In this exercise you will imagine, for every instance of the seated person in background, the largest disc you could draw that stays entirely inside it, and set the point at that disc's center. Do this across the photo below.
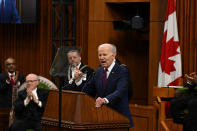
(9, 80)
(74, 60)
(186, 102)
(29, 106)
(109, 83)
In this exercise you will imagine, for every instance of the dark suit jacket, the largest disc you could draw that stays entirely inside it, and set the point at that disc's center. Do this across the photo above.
(6, 90)
(115, 90)
(32, 111)
(65, 82)
(10, 13)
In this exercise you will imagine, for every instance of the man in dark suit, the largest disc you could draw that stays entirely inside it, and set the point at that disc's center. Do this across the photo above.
(74, 60)
(8, 82)
(186, 102)
(109, 82)
(8, 12)
(29, 106)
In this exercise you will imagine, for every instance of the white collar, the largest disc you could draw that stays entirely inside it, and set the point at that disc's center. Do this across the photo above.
(11, 73)
(111, 66)
(77, 66)
(34, 91)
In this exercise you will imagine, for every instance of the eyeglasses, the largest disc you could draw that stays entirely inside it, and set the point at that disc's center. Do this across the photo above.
(31, 81)
(8, 64)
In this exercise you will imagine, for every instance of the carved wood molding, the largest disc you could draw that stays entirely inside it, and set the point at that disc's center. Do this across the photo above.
(73, 125)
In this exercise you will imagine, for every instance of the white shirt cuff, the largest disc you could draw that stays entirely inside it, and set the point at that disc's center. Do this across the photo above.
(106, 100)
(40, 104)
(78, 83)
(7, 82)
(25, 102)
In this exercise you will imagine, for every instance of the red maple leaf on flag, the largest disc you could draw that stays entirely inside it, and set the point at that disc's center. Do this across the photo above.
(169, 49)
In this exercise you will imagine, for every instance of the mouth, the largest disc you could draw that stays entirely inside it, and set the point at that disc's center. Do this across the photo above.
(103, 62)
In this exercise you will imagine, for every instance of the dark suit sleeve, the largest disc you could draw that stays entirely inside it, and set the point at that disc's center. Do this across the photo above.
(44, 97)
(21, 79)
(3, 84)
(89, 71)
(19, 103)
(121, 87)
(89, 87)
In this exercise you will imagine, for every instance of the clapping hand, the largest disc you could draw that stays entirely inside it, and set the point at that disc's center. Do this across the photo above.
(29, 95)
(78, 75)
(192, 78)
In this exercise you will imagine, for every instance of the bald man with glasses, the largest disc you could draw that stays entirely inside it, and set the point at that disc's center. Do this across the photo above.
(29, 106)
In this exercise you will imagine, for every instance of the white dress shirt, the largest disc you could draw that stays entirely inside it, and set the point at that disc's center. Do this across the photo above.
(13, 77)
(110, 68)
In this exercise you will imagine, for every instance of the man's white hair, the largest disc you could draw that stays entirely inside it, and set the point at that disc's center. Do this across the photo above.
(113, 47)
(35, 76)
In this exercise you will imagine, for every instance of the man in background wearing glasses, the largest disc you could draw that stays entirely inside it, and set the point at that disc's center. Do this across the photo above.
(29, 106)
(9, 80)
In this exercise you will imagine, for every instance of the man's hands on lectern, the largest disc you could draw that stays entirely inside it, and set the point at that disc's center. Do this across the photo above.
(100, 101)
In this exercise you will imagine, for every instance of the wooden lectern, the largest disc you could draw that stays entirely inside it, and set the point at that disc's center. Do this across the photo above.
(79, 113)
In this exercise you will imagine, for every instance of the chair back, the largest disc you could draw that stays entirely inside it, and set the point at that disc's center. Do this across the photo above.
(42, 82)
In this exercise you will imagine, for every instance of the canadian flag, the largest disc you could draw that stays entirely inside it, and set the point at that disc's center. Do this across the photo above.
(170, 71)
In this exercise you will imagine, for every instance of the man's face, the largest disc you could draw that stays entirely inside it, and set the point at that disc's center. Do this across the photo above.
(106, 57)
(11, 65)
(31, 82)
(73, 58)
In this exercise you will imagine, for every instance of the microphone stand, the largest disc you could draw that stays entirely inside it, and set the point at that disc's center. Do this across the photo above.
(60, 108)
(59, 75)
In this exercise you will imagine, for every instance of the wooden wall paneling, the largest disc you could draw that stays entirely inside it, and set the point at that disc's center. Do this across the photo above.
(96, 10)
(45, 39)
(144, 117)
(82, 28)
(154, 56)
(96, 35)
(158, 10)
